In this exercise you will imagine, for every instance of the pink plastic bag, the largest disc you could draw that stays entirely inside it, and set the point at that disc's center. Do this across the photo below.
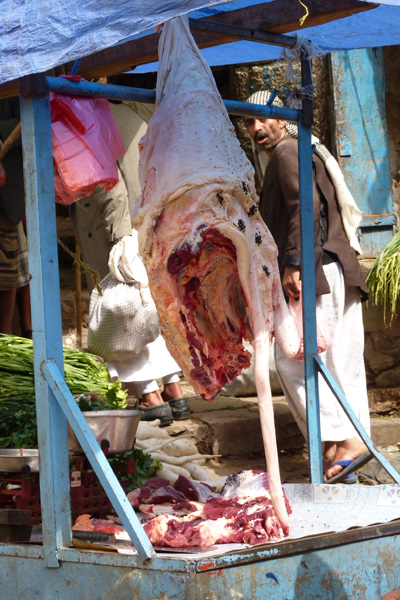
(296, 310)
(86, 145)
(62, 196)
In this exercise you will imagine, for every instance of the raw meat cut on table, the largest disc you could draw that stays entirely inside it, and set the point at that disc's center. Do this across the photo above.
(211, 261)
(157, 490)
(241, 513)
(86, 523)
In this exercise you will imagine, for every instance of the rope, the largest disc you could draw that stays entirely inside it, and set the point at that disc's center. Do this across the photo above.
(93, 273)
(304, 17)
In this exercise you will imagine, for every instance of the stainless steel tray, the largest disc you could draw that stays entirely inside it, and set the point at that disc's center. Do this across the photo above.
(115, 430)
(19, 460)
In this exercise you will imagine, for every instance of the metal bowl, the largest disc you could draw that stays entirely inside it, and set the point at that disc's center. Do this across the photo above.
(115, 430)
(19, 460)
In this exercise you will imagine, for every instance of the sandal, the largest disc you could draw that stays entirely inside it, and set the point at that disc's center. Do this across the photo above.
(347, 474)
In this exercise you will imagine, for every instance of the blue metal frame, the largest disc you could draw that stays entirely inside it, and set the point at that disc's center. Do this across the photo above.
(321, 367)
(46, 316)
(55, 403)
(54, 400)
(361, 564)
(308, 298)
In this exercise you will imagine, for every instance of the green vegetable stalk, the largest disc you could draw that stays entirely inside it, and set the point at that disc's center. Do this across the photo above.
(383, 280)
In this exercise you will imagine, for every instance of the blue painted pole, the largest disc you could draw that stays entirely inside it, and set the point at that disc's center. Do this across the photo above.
(46, 319)
(119, 92)
(308, 283)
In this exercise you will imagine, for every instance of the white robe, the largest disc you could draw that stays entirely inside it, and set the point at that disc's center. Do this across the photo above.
(339, 315)
(153, 362)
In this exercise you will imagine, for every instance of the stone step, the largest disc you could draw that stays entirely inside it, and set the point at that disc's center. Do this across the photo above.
(231, 426)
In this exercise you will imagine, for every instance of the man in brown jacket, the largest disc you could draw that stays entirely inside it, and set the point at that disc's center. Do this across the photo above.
(340, 289)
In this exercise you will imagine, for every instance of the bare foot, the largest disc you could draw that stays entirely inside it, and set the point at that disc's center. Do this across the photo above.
(349, 449)
(151, 399)
(172, 391)
(329, 452)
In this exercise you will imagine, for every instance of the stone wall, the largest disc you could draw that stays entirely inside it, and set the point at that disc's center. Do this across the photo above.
(246, 79)
(382, 360)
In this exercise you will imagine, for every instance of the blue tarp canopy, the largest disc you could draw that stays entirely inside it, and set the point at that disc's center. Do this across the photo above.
(38, 35)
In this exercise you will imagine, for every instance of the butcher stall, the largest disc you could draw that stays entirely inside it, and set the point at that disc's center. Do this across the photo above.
(342, 541)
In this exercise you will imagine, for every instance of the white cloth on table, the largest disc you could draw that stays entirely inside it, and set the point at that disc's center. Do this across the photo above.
(339, 314)
(153, 362)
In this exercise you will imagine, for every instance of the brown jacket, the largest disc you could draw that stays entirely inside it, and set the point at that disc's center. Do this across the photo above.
(279, 207)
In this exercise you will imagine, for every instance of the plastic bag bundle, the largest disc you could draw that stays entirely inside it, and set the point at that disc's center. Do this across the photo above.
(86, 145)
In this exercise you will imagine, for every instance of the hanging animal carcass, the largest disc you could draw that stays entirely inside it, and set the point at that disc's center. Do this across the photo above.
(210, 258)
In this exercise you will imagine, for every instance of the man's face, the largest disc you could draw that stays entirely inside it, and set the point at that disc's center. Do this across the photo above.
(266, 133)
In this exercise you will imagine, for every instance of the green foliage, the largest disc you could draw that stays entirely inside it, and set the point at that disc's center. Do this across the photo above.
(18, 423)
(145, 467)
(384, 279)
(85, 375)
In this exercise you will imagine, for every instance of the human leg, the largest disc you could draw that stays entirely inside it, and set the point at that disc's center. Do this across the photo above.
(151, 403)
(172, 387)
(23, 298)
(150, 393)
(346, 363)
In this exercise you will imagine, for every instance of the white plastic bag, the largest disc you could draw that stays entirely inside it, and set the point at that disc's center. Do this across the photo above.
(124, 319)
